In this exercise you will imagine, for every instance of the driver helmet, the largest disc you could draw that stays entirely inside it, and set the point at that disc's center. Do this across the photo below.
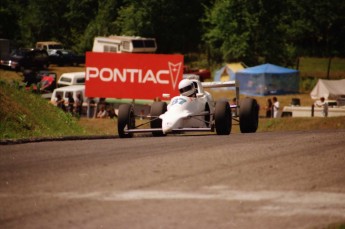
(186, 87)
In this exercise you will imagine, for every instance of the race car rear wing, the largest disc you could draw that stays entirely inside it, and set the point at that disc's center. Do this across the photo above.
(230, 83)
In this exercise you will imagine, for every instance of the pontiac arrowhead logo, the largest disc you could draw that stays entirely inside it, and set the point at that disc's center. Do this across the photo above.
(174, 72)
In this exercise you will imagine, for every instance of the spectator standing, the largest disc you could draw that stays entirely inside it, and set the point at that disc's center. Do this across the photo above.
(101, 103)
(322, 104)
(269, 106)
(276, 107)
(79, 104)
(102, 112)
(30, 77)
(70, 103)
(60, 102)
(91, 107)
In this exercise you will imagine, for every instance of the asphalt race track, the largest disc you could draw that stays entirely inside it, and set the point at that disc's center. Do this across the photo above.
(262, 180)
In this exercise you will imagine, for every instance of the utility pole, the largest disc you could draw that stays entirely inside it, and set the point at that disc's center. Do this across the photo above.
(329, 66)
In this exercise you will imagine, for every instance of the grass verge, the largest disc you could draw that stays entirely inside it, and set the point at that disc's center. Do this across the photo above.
(26, 115)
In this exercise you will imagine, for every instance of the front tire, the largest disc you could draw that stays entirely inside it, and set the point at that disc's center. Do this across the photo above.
(126, 119)
(207, 117)
(249, 115)
(157, 108)
(223, 118)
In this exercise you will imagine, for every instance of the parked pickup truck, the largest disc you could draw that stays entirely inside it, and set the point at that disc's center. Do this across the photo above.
(66, 58)
(24, 58)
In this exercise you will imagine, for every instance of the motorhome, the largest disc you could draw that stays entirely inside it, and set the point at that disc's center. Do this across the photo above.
(124, 44)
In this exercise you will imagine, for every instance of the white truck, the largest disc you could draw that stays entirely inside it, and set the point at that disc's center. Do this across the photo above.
(71, 78)
(124, 44)
(50, 46)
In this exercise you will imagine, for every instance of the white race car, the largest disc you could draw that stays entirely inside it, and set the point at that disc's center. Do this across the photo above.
(197, 113)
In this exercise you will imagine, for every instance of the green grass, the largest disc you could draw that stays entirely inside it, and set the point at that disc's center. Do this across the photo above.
(26, 115)
(295, 124)
(312, 68)
(336, 226)
(317, 67)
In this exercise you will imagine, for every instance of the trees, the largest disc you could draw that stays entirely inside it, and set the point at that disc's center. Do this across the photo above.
(228, 30)
(274, 31)
(247, 30)
(10, 12)
(80, 14)
(232, 30)
(175, 24)
(8, 26)
(323, 32)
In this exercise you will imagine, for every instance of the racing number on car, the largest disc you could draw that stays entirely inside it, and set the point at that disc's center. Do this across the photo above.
(178, 101)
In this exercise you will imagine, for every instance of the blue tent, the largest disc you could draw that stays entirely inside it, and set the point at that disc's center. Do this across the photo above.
(268, 79)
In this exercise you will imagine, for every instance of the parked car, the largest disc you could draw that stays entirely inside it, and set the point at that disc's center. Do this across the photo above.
(71, 78)
(66, 57)
(22, 59)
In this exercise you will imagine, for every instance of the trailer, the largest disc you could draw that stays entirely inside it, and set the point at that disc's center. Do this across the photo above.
(124, 44)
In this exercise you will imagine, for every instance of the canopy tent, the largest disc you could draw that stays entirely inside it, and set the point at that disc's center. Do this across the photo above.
(268, 79)
(227, 72)
(329, 89)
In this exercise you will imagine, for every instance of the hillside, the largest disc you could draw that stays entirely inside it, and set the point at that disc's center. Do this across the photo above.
(26, 115)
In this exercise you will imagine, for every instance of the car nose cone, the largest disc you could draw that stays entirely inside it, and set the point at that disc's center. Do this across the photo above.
(170, 125)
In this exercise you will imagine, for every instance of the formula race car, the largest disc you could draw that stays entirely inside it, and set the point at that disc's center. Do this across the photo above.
(194, 110)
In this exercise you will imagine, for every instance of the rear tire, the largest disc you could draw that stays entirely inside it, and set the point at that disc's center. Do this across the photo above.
(223, 118)
(249, 115)
(157, 108)
(126, 119)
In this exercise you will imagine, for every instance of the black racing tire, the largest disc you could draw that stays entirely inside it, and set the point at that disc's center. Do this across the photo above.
(223, 117)
(249, 115)
(157, 108)
(125, 119)
(207, 117)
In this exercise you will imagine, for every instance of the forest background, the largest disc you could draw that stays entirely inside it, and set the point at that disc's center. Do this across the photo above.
(254, 32)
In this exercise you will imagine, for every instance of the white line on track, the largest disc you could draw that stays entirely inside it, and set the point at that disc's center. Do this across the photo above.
(280, 203)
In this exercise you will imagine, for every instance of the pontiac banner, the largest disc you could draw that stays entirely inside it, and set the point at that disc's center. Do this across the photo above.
(135, 76)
